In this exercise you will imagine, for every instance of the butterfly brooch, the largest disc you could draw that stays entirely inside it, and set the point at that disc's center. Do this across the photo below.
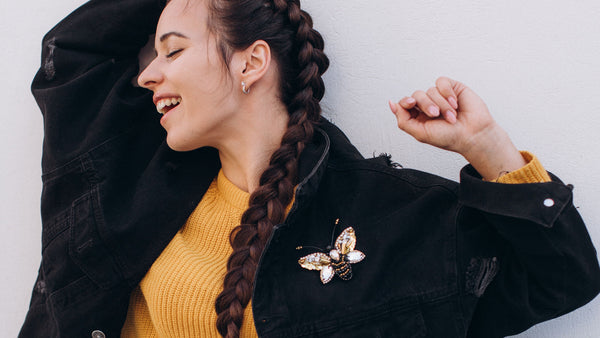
(338, 260)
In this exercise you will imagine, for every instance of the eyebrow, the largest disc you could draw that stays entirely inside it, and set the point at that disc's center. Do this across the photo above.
(168, 35)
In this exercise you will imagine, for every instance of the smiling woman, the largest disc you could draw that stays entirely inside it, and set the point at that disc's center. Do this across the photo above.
(203, 231)
(215, 113)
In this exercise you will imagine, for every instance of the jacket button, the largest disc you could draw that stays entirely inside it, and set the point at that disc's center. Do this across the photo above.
(548, 202)
(98, 334)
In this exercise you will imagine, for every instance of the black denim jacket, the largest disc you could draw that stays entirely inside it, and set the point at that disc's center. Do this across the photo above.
(443, 259)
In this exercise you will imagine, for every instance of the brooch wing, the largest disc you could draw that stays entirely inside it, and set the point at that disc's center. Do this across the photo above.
(346, 241)
(345, 244)
(318, 261)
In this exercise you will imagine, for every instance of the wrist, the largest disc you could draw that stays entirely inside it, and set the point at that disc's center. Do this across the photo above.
(492, 153)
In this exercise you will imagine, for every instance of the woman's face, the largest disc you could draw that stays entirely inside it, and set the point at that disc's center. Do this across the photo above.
(192, 87)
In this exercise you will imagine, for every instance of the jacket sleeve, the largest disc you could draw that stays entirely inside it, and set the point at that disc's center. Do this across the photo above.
(525, 254)
(83, 86)
(84, 90)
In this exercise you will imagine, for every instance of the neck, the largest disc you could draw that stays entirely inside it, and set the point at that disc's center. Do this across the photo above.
(246, 155)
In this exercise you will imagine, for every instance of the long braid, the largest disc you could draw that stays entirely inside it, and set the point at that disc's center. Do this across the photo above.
(267, 206)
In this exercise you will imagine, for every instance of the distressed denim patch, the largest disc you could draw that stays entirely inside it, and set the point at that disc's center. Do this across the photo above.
(48, 65)
(480, 273)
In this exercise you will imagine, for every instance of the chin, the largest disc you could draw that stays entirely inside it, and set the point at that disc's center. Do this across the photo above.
(178, 145)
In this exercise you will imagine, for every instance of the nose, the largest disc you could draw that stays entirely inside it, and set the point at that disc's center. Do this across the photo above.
(151, 76)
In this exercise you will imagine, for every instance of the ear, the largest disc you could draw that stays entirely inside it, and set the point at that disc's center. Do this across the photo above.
(254, 62)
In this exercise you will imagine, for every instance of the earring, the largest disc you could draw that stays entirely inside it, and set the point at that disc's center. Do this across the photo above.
(244, 89)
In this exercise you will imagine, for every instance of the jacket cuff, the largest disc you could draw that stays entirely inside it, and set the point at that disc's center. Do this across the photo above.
(532, 172)
(541, 203)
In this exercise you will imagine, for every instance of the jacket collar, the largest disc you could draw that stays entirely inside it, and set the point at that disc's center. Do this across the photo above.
(329, 145)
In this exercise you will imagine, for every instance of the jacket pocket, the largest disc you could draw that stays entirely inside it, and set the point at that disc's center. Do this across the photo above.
(86, 246)
(73, 237)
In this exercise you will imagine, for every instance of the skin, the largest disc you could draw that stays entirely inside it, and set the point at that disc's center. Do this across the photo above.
(464, 125)
(247, 128)
(214, 111)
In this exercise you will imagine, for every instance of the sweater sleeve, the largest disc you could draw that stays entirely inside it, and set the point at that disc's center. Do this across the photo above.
(532, 172)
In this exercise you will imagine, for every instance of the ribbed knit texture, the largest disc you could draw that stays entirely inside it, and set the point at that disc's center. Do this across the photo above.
(533, 172)
(177, 296)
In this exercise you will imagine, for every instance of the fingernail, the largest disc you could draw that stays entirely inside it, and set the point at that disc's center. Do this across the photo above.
(434, 111)
(453, 102)
(410, 100)
(392, 106)
(451, 116)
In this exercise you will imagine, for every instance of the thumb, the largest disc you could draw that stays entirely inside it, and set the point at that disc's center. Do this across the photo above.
(404, 119)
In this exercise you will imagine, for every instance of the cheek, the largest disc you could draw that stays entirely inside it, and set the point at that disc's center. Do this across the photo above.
(206, 79)
(215, 91)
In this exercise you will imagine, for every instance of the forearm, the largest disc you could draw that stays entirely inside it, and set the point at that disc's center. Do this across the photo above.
(493, 154)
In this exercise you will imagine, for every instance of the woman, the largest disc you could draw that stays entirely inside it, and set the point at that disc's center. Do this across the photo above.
(135, 237)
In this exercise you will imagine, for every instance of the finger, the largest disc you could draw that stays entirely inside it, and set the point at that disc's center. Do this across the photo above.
(447, 110)
(426, 104)
(408, 102)
(450, 116)
(396, 107)
(393, 107)
(405, 119)
(446, 88)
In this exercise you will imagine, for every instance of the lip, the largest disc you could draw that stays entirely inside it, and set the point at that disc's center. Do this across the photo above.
(166, 115)
(158, 97)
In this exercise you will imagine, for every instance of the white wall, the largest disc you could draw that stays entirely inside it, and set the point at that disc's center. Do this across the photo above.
(536, 63)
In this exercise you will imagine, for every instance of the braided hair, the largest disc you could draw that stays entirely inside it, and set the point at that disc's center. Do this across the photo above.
(298, 51)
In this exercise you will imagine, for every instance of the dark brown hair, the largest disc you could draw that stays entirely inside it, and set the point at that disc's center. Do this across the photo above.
(298, 51)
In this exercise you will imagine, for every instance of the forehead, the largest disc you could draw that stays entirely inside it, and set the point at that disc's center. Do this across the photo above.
(185, 16)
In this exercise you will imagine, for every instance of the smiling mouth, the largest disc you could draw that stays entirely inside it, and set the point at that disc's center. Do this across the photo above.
(163, 106)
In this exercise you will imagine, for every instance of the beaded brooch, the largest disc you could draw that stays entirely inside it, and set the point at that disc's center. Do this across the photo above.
(338, 261)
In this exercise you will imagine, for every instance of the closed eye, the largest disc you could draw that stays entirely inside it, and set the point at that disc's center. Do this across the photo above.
(173, 53)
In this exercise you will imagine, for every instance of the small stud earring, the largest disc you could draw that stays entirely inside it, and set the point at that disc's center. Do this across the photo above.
(244, 89)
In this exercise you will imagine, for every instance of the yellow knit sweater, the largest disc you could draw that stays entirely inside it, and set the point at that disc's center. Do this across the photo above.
(176, 297)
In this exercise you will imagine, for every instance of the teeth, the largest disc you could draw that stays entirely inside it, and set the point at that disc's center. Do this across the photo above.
(162, 103)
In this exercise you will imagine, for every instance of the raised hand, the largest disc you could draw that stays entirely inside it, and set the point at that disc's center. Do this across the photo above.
(452, 117)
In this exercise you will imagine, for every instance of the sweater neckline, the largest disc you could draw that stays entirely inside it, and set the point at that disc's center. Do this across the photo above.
(231, 193)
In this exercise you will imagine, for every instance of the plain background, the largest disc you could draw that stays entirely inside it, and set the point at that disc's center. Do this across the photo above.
(536, 64)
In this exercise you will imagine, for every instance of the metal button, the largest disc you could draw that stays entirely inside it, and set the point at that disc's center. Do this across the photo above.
(548, 202)
(98, 334)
